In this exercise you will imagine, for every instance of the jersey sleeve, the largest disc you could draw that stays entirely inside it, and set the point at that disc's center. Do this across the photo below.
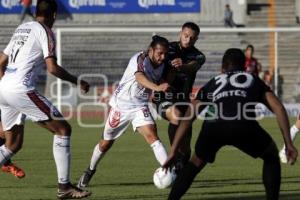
(197, 56)
(140, 62)
(7, 50)
(47, 41)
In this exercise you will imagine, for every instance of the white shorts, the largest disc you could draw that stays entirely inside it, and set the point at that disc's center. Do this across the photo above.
(118, 121)
(16, 106)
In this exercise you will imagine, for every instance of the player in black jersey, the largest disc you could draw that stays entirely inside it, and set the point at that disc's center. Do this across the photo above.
(231, 120)
(183, 62)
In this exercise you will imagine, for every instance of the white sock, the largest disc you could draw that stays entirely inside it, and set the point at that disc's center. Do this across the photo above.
(293, 131)
(5, 154)
(159, 152)
(96, 157)
(62, 157)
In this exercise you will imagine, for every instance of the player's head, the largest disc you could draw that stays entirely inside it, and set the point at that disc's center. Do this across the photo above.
(233, 59)
(158, 50)
(46, 9)
(249, 51)
(189, 34)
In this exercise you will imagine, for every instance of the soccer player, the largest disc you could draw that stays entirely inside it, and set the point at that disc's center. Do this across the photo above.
(129, 104)
(183, 62)
(31, 47)
(293, 132)
(231, 120)
(8, 166)
(251, 63)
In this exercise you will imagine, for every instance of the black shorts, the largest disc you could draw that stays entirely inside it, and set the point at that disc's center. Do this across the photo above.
(249, 137)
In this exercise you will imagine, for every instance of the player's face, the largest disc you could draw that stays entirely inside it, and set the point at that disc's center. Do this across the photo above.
(249, 53)
(157, 55)
(188, 37)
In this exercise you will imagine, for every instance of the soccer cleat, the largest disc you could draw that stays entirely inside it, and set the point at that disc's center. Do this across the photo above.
(72, 193)
(14, 170)
(282, 156)
(85, 178)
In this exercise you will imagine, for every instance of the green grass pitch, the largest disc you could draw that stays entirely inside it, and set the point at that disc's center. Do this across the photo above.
(126, 171)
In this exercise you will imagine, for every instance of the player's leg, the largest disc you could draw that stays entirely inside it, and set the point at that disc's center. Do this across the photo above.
(185, 179)
(8, 166)
(256, 142)
(293, 131)
(173, 114)
(271, 172)
(150, 134)
(40, 110)
(98, 153)
(115, 126)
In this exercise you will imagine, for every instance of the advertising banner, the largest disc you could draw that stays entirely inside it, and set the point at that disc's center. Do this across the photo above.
(112, 6)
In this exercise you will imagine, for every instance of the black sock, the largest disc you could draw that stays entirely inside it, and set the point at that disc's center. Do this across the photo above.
(272, 178)
(171, 131)
(183, 181)
(2, 142)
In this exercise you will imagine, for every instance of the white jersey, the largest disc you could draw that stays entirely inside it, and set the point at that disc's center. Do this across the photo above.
(30, 44)
(130, 94)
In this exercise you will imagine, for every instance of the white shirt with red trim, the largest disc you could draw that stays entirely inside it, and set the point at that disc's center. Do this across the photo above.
(130, 94)
(30, 44)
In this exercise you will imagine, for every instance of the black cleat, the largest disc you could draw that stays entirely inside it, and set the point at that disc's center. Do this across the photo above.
(72, 192)
(85, 178)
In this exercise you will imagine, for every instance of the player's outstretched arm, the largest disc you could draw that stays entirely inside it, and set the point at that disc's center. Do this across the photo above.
(54, 69)
(144, 81)
(282, 118)
(3, 63)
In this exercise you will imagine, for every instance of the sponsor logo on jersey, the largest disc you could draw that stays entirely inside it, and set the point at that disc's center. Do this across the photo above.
(114, 119)
(80, 3)
(147, 3)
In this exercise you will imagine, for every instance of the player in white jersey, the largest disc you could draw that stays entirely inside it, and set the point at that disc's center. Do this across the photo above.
(32, 47)
(129, 104)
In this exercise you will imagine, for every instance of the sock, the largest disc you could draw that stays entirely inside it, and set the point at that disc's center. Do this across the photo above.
(96, 157)
(183, 181)
(62, 157)
(293, 131)
(159, 152)
(171, 132)
(5, 154)
(2, 142)
(272, 178)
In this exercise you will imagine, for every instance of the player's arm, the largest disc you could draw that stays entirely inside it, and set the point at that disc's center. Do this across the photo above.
(54, 69)
(145, 82)
(190, 67)
(282, 118)
(3, 63)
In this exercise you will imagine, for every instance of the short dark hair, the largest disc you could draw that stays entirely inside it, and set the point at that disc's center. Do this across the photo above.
(233, 59)
(192, 26)
(46, 8)
(156, 39)
(250, 46)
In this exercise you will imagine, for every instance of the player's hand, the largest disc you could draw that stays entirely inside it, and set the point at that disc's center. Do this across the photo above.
(176, 63)
(169, 162)
(291, 154)
(163, 87)
(84, 86)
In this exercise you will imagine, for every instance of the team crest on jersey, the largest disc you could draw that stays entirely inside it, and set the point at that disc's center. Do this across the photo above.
(114, 120)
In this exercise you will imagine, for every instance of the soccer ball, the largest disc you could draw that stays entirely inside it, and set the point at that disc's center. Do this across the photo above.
(163, 179)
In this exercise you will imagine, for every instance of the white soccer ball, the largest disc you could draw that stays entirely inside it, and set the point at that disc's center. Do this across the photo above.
(163, 179)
